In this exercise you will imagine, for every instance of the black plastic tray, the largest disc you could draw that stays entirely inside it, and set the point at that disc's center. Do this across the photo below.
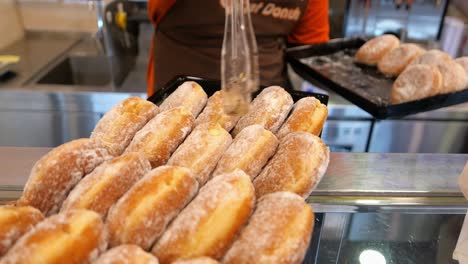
(332, 64)
(211, 86)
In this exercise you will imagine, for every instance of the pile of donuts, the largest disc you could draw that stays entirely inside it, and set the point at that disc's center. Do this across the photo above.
(171, 184)
(419, 73)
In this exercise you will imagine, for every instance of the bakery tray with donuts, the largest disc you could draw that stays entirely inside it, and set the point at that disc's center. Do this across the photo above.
(335, 65)
(177, 182)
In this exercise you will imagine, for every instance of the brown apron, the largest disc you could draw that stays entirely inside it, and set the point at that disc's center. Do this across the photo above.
(189, 38)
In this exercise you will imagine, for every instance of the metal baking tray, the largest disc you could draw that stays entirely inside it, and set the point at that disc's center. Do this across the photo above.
(332, 64)
(211, 86)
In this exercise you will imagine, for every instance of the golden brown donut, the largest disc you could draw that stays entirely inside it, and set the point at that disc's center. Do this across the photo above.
(210, 223)
(77, 236)
(250, 151)
(269, 109)
(279, 231)
(189, 95)
(142, 214)
(201, 150)
(214, 112)
(454, 76)
(373, 50)
(434, 57)
(395, 61)
(200, 260)
(15, 222)
(56, 173)
(161, 136)
(118, 126)
(416, 82)
(308, 115)
(126, 254)
(298, 166)
(463, 61)
(99, 190)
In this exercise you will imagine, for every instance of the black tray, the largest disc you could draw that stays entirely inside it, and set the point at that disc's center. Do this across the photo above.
(331, 64)
(211, 86)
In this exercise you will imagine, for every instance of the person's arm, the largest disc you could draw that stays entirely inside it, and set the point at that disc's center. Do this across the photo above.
(313, 26)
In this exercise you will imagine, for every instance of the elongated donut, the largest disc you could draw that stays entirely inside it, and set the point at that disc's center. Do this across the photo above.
(269, 109)
(279, 231)
(118, 126)
(308, 115)
(210, 223)
(189, 95)
(161, 136)
(201, 150)
(200, 260)
(107, 183)
(56, 173)
(249, 151)
(77, 236)
(395, 61)
(214, 112)
(373, 50)
(15, 222)
(142, 214)
(126, 254)
(298, 166)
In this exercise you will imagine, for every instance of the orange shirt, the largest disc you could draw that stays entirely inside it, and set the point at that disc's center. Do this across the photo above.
(312, 28)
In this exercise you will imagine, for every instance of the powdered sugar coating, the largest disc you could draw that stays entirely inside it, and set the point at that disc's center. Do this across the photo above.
(308, 115)
(373, 50)
(279, 231)
(77, 236)
(201, 150)
(118, 126)
(161, 136)
(56, 173)
(14, 222)
(209, 224)
(200, 260)
(142, 214)
(298, 166)
(189, 95)
(250, 151)
(395, 61)
(99, 190)
(126, 254)
(269, 109)
(214, 112)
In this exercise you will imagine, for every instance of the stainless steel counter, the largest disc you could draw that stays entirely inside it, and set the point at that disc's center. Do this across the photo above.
(353, 182)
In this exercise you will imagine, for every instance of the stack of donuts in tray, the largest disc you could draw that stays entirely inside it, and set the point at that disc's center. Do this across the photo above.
(419, 73)
(171, 184)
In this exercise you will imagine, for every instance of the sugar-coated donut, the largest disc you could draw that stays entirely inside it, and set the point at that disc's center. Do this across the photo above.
(143, 213)
(189, 95)
(454, 76)
(373, 50)
(161, 136)
(214, 112)
(250, 151)
(101, 189)
(126, 254)
(416, 82)
(15, 221)
(308, 115)
(201, 150)
(118, 126)
(56, 173)
(210, 223)
(279, 231)
(200, 260)
(395, 61)
(463, 61)
(434, 57)
(298, 166)
(269, 109)
(77, 236)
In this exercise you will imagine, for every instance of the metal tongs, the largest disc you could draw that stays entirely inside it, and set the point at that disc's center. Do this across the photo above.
(239, 58)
